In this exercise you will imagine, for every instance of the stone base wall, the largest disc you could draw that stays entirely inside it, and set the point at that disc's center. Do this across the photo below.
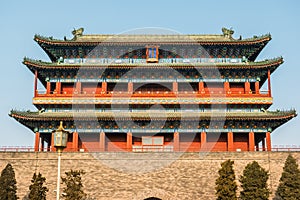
(141, 175)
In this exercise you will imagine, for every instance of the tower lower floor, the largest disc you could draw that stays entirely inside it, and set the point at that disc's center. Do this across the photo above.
(161, 132)
(161, 142)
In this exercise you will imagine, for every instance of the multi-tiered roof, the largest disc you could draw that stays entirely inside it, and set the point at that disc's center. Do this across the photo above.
(209, 86)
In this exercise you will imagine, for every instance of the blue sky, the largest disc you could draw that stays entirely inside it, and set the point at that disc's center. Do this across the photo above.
(20, 20)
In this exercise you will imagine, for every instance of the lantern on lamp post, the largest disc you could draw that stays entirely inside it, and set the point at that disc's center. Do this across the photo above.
(60, 142)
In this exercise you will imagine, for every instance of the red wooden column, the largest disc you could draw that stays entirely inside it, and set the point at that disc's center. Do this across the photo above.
(75, 141)
(226, 87)
(129, 142)
(251, 141)
(130, 87)
(247, 87)
(78, 87)
(230, 141)
(257, 87)
(35, 83)
(102, 141)
(48, 88)
(203, 141)
(58, 87)
(268, 141)
(104, 87)
(175, 87)
(176, 141)
(269, 83)
(201, 87)
(52, 142)
(37, 141)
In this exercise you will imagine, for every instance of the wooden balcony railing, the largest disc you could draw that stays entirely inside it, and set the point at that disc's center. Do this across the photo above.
(194, 94)
(168, 148)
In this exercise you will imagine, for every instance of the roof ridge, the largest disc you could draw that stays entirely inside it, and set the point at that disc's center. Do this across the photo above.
(204, 37)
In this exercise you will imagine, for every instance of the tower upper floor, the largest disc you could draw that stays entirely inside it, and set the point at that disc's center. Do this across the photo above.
(152, 47)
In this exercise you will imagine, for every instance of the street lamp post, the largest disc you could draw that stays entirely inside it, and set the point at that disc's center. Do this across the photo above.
(60, 142)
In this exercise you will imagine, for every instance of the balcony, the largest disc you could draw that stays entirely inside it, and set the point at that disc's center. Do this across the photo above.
(151, 93)
(140, 148)
(161, 60)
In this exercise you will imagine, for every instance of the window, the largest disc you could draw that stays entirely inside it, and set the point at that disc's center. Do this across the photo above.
(152, 140)
(152, 54)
